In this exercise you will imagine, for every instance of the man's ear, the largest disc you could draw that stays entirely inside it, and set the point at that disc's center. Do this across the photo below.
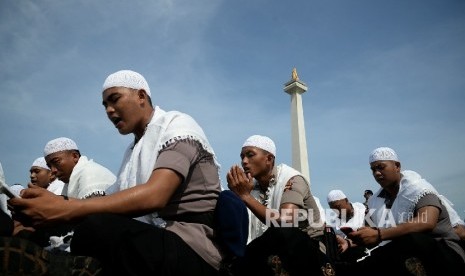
(142, 94)
(270, 157)
(52, 176)
(76, 156)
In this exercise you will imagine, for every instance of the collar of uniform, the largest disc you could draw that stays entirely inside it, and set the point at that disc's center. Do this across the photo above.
(387, 198)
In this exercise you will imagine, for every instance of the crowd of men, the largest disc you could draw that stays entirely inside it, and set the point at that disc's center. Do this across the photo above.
(165, 212)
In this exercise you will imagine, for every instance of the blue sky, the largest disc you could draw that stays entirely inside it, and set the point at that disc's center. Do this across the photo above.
(380, 73)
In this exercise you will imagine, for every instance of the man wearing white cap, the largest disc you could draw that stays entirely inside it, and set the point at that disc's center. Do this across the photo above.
(168, 182)
(71, 175)
(351, 215)
(42, 176)
(276, 193)
(409, 223)
(83, 178)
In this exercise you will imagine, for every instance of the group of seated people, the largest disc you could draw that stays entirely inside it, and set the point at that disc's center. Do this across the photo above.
(165, 213)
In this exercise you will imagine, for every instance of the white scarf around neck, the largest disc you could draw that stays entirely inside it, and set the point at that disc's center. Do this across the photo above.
(88, 179)
(275, 193)
(139, 159)
(412, 187)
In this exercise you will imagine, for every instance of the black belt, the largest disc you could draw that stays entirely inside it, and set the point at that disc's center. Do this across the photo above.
(200, 217)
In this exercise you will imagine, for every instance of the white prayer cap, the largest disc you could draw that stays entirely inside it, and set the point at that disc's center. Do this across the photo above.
(59, 144)
(128, 79)
(261, 142)
(383, 154)
(335, 195)
(40, 162)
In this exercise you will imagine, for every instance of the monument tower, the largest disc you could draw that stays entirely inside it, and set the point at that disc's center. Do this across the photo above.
(296, 88)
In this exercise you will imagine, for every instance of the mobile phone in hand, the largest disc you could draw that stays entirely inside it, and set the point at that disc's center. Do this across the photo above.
(346, 230)
(7, 191)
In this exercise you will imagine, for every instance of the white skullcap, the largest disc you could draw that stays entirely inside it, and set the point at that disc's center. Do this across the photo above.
(128, 79)
(40, 162)
(59, 144)
(335, 195)
(261, 142)
(383, 154)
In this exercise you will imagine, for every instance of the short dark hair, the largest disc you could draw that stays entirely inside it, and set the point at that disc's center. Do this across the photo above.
(76, 151)
(149, 100)
(369, 192)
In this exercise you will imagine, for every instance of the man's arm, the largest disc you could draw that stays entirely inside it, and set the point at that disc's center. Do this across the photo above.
(425, 220)
(242, 185)
(460, 231)
(43, 207)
